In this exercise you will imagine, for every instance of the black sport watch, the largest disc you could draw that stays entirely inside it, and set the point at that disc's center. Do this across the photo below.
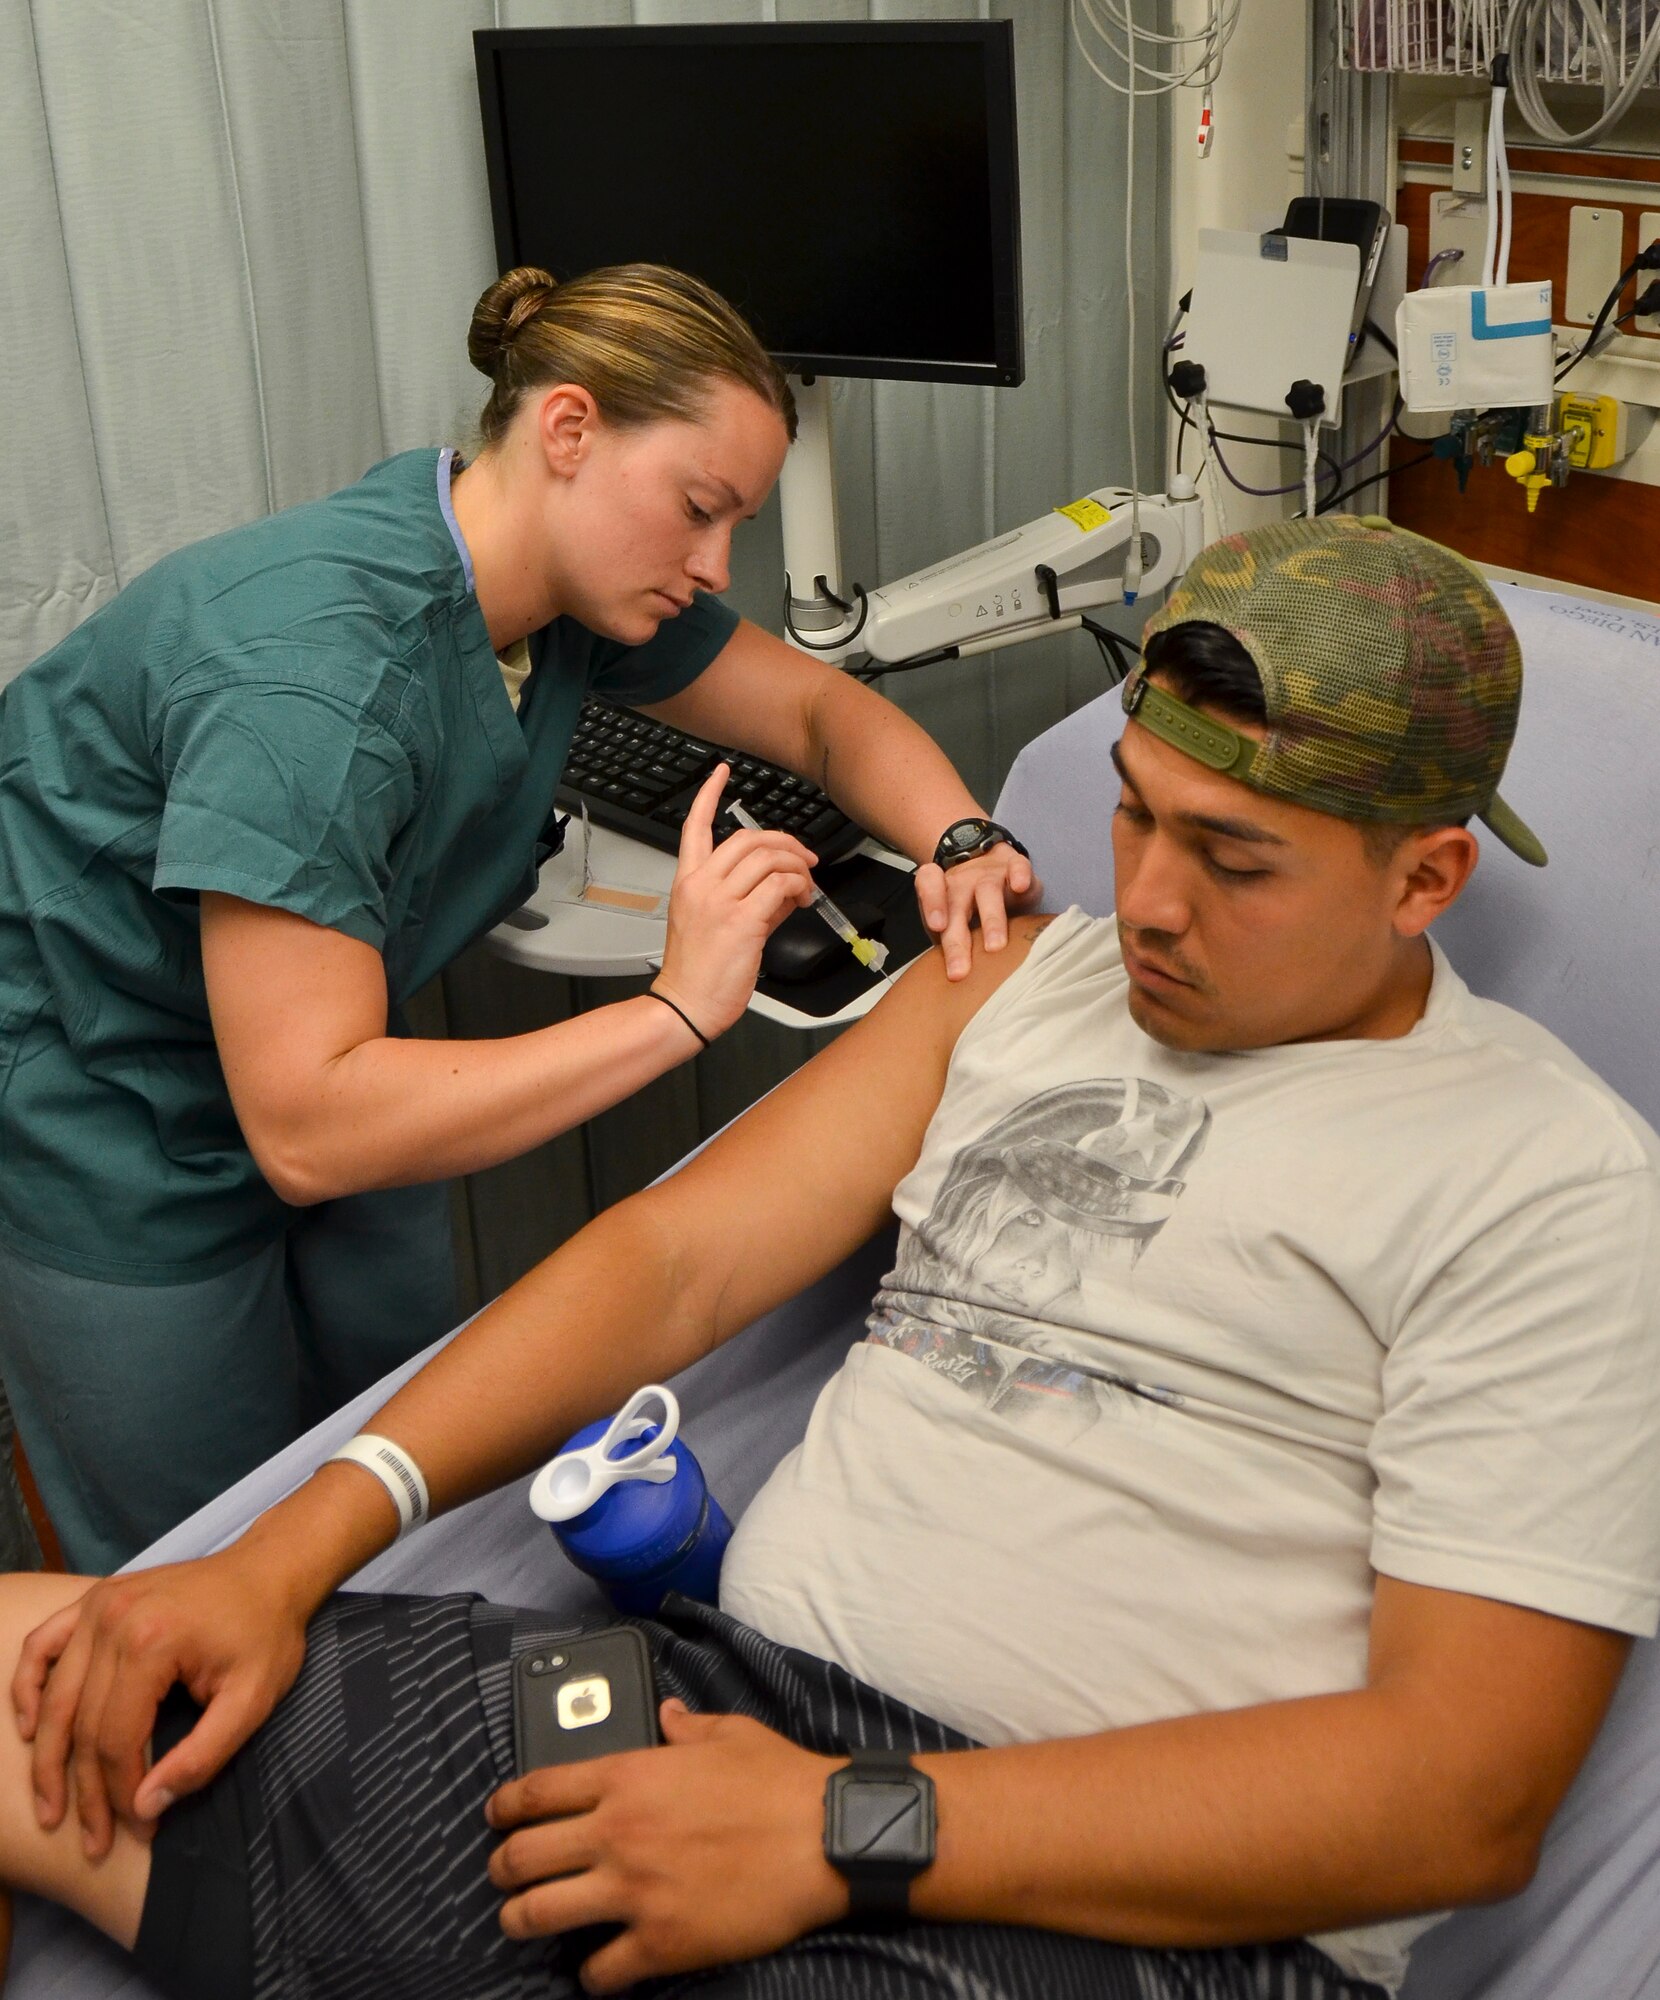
(879, 1830)
(964, 838)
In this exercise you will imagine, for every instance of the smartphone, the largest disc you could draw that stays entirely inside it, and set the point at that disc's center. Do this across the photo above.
(1339, 219)
(584, 1694)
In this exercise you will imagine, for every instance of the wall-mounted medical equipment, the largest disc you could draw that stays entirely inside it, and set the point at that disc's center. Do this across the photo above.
(1487, 352)
(1285, 323)
(1295, 305)
(1039, 578)
(1474, 347)
(1582, 433)
(1540, 448)
(1269, 310)
(1486, 345)
(1282, 323)
(1336, 219)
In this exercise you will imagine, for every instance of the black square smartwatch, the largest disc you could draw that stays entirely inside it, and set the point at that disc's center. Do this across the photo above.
(879, 1831)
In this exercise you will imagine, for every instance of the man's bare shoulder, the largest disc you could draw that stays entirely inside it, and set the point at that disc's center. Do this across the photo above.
(927, 1012)
(1029, 929)
(987, 971)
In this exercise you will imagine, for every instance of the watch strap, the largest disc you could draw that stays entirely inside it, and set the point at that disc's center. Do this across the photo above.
(886, 1899)
(882, 1762)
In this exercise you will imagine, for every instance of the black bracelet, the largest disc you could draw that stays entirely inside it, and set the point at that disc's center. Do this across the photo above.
(653, 994)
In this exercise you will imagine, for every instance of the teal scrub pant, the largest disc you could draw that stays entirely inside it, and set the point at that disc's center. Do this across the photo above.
(137, 1404)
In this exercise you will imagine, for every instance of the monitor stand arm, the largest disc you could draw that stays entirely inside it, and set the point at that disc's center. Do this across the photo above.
(812, 542)
(1027, 583)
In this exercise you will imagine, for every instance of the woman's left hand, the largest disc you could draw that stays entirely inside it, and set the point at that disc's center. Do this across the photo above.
(705, 1850)
(992, 886)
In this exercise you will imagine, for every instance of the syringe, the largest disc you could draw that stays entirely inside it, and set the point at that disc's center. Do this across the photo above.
(869, 953)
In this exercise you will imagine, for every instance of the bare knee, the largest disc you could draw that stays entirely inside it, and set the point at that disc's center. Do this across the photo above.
(27, 1598)
(109, 1893)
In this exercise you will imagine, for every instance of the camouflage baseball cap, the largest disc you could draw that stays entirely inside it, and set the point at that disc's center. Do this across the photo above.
(1391, 675)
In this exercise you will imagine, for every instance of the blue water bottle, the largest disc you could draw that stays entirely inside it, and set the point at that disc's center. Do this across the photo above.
(628, 1504)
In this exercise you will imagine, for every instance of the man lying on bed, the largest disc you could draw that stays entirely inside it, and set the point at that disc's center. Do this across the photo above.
(1257, 1442)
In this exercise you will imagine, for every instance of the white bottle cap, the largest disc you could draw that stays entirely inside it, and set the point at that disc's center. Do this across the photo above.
(572, 1483)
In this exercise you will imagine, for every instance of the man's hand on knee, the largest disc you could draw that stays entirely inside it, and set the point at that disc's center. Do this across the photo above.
(91, 1678)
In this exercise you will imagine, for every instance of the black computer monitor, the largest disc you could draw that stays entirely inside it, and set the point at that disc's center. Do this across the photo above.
(852, 188)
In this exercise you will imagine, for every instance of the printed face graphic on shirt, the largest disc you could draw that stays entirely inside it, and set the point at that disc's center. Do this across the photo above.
(1072, 1184)
(1084, 1171)
(1028, 1262)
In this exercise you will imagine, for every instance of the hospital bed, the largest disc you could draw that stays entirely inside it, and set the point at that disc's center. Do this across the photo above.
(1577, 946)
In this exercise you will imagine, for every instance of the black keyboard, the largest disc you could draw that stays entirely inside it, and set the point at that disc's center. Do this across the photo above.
(639, 777)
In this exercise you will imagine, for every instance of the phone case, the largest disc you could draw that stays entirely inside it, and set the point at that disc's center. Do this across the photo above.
(586, 1694)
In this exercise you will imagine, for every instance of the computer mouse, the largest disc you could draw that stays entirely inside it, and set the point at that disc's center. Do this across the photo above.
(804, 946)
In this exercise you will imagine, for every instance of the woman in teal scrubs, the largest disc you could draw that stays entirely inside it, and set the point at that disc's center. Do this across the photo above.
(254, 803)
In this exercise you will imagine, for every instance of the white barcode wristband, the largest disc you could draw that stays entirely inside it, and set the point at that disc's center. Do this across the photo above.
(396, 1471)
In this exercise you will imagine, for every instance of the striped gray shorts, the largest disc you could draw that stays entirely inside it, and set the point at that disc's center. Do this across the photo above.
(360, 1808)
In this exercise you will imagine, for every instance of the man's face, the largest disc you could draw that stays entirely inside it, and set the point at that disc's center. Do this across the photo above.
(1247, 921)
(647, 519)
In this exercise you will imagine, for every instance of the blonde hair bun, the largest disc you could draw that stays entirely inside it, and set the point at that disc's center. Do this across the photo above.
(509, 304)
(644, 340)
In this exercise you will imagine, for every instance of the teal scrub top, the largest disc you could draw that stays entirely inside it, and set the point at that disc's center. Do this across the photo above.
(305, 712)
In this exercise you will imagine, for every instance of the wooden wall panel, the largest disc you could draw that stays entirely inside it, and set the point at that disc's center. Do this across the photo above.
(1635, 167)
(1599, 532)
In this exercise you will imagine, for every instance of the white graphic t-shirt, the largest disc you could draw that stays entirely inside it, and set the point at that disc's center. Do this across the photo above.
(1178, 1349)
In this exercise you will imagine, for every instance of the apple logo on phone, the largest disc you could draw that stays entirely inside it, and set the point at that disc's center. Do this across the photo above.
(584, 1702)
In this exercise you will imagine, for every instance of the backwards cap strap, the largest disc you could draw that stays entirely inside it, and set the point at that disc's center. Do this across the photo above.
(1199, 736)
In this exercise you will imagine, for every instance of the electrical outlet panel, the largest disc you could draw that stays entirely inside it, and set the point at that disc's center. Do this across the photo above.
(1594, 261)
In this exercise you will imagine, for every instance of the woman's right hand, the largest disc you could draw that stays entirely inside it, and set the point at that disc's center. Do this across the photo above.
(726, 902)
(89, 1682)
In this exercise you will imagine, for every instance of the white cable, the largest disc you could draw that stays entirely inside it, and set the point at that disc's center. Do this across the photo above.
(1211, 38)
(1193, 58)
(1213, 465)
(1311, 462)
(1490, 244)
(1617, 99)
(1200, 70)
(1501, 194)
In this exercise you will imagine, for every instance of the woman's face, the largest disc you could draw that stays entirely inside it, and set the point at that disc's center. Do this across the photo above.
(1029, 1261)
(644, 516)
